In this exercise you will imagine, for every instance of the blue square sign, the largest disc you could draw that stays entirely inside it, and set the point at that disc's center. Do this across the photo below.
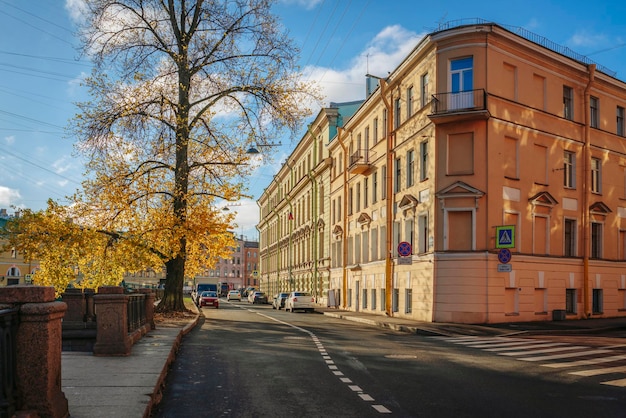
(505, 236)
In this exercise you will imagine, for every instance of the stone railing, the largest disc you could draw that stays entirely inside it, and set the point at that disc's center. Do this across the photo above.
(108, 322)
(31, 329)
(35, 386)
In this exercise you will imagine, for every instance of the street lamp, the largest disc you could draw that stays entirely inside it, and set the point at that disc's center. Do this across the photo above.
(254, 149)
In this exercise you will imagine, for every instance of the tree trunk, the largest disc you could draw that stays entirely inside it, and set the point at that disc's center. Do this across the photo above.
(173, 295)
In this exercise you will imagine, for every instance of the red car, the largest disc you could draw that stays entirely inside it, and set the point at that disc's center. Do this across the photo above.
(209, 299)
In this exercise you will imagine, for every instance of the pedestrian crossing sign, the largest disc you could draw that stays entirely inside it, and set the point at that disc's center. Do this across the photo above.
(505, 236)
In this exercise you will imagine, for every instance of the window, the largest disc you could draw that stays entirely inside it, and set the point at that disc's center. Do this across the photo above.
(570, 301)
(569, 170)
(408, 301)
(396, 113)
(569, 227)
(395, 296)
(398, 174)
(373, 299)
(383, 300)
(424, 160)
(596, 240)
(365, 192)
(410, 163)
(350, 200)
(596, 175)
(364, 298)
(620, 121)
(409, 102)
(593, 111)
(358, 197)
(374, 187)
(510, 158)
(375, 128)
(409, 233)
(424, 92)
(383, 176)
(385, 123)
(597, 301)
(422, 233)
(461, 83)
(568, 103)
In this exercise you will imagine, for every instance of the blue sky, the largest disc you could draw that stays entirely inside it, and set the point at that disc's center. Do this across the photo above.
(340, 41)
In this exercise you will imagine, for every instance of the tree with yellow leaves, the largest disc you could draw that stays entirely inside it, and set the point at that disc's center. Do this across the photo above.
(180, 90)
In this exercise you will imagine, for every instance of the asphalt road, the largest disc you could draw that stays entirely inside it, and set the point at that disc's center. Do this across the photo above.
(251, 361)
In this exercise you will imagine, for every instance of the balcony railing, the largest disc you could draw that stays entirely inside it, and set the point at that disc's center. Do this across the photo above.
(459, 101)
(361, 161)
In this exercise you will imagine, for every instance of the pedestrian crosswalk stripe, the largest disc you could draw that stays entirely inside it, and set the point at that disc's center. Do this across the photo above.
(523, 347)
(596, 372)
(586, 362)
(541, 351)
(565, 355)
(620, 382)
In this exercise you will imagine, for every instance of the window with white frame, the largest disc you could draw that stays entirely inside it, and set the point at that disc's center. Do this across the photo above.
(569, 170)
(366, 192)
(568, 102)
(408, 301)
(410, 168)
(423, 160)
(594, 110)
(422, 233)
(374, 187)
(424, 88)
(596, 175)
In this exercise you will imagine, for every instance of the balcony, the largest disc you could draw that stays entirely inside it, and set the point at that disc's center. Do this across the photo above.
(361, 161)
(459, 106)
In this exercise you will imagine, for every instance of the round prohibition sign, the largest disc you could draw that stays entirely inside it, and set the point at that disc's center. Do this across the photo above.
(504, 255)
(404, 249)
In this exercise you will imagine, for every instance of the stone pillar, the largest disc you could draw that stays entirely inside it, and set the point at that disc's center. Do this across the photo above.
(111, 307)
(149, 301)
(38, 349)
(76, 306)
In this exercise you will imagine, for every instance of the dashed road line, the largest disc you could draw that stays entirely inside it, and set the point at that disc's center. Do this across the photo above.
(332, 367)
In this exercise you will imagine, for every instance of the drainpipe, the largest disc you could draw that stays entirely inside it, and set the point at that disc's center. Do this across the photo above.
(586, 191)
(314, 206)
(389, 201)
(344, 236)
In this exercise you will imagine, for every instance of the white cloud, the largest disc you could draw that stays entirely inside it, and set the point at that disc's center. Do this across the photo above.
(8, 196)
(587, 39)
(380, 56)
(9, 139)
(61, 165)
(307, 4)
(76, 9)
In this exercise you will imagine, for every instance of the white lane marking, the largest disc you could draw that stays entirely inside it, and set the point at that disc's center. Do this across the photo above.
(331, 364)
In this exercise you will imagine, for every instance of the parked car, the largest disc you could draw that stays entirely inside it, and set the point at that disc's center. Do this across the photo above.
(300, 301)
(259, 297)
(233, 295)
(209, 298)
(251, 295)
(279, 300)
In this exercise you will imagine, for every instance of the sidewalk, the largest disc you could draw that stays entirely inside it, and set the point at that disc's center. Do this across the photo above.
(98, 387)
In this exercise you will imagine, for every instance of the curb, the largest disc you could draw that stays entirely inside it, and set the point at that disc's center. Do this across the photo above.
(157, 393)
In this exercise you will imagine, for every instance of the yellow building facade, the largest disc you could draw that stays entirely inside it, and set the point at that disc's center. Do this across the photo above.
(482, 181)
